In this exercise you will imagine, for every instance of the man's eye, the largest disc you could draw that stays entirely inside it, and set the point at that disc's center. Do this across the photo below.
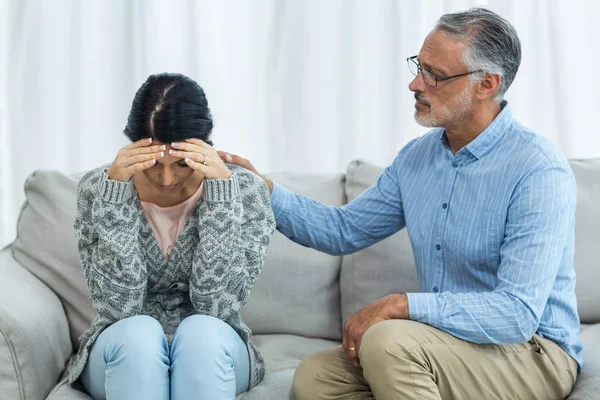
(183, 165)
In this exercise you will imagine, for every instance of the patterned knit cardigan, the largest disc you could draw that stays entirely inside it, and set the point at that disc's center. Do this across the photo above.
(212, 268)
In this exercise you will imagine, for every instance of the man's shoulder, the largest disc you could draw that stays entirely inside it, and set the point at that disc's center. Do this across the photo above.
(534, 149)
(538, 148)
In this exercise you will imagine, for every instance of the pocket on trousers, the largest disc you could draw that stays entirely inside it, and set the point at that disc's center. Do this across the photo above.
(529, 346)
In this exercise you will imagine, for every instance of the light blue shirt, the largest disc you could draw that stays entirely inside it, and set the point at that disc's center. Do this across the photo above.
(491, 228)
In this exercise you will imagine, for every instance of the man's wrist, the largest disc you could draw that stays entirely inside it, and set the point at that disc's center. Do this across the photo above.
(398, 306)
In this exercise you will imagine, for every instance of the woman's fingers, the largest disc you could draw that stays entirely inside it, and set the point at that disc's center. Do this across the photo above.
(193, 155)
(140, 158)
(143, 150)
(188, 145)
(140, 143)
(199, 143)
(196, 165)
(132, 169)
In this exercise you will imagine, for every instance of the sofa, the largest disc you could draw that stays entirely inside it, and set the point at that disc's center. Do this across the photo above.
(297, 307)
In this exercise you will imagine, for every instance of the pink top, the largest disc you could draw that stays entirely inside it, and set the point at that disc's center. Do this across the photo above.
(168, 222)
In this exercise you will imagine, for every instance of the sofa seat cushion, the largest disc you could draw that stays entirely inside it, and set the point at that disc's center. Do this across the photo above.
(282, 354)
(588, 381)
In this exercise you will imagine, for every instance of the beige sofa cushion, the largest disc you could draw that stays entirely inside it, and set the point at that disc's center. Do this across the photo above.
(384, 268)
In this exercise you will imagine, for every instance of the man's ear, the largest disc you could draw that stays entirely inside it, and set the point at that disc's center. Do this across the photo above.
(488, 86)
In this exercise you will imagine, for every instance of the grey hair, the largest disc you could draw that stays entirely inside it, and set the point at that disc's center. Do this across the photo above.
(493, 45)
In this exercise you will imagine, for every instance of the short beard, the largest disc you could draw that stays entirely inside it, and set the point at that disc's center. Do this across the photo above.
(452, 113)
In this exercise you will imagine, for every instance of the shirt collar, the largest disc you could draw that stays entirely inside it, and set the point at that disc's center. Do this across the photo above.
(487, 139)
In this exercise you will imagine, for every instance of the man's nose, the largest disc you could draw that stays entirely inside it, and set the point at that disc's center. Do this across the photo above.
(417, 84)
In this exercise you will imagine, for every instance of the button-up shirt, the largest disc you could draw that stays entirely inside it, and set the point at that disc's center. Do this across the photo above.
(491, 228)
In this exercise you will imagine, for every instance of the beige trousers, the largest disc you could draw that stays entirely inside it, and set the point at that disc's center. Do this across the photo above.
(402, 359)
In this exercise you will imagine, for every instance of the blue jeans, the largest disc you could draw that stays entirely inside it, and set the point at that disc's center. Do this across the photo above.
(131, 360)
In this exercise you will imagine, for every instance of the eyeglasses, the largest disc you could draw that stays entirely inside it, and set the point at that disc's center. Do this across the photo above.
(429, 77)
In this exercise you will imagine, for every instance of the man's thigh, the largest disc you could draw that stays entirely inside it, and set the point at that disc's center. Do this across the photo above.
(408, 359)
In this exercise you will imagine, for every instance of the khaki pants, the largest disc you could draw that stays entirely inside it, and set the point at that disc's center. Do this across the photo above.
(408, 360)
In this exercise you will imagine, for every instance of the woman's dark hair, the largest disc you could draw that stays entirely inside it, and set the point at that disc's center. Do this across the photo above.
(169, 108)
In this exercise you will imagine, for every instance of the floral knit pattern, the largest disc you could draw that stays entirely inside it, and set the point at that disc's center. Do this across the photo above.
(213, 265)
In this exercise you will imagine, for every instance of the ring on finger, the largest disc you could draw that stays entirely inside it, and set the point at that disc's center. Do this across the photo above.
(204, 162)
(352, 348)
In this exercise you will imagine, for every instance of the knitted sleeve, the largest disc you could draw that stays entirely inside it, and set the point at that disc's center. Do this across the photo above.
(106, 229)
(235, 228)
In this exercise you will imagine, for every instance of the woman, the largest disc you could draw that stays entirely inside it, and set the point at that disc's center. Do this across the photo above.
(171, 242)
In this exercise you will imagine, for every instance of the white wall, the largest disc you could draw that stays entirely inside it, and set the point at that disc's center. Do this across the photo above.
(294, 85)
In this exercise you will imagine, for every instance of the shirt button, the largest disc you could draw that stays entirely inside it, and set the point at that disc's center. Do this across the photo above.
(444, 206)
(435, 289)
(437, 247)
(455, 164)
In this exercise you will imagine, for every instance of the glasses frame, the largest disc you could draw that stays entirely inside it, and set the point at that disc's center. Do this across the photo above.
(437, 78)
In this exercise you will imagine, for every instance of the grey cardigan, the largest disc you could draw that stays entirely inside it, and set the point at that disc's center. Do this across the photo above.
(212, 268)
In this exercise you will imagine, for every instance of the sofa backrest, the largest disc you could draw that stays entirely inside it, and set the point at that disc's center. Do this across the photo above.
(46, 244)
(298, 289)
(587, 238)
(388, 266)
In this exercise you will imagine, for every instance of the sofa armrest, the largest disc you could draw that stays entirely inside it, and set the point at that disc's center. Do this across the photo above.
(34, 333)
(587, 386)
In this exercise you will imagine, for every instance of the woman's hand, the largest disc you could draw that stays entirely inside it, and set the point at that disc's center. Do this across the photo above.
(202, 157)
(133, 158)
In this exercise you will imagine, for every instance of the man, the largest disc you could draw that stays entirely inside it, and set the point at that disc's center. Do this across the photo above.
(490, 208)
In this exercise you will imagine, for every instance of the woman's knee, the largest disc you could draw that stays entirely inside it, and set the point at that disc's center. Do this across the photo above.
(136, 335)
(203, 331)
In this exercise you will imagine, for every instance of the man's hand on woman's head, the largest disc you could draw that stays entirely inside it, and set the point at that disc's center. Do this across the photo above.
(202, 157)
(243, 162)
(134, 157)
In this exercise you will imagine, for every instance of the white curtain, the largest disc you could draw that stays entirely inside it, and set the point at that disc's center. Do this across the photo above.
(301, 85)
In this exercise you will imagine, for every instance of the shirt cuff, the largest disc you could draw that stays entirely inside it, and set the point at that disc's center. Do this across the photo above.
(279, 198)
(221, 190)
(115, 192)
(424, 307)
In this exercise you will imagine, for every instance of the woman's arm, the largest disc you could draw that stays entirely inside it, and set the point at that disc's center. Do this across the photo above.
(106, 228)
(235, 228)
